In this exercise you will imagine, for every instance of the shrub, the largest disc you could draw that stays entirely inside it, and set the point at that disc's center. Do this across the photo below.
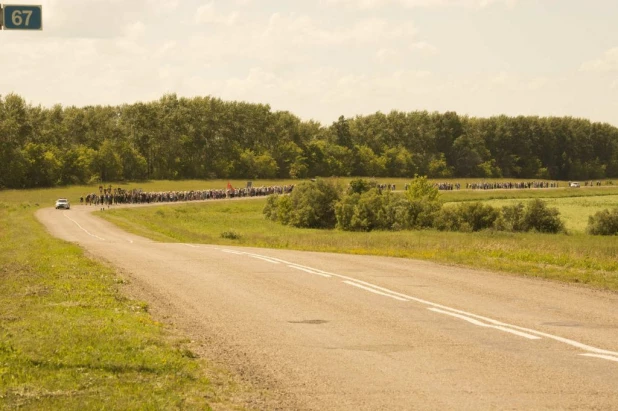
(310, 205)
(447, 219)
(421, 214)
(360, 186)
(313, 204)
(477, 216)
(421, 189)
(284, 210)
(367, 212)
(270, 209)
(603, 223)
(541, 218)
(371, 210)
(466, 217)
(511, 218)
(395, 210)
(231, 235)
(345, 210)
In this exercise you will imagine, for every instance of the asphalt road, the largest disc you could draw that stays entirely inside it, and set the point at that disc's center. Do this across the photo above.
(340, 332)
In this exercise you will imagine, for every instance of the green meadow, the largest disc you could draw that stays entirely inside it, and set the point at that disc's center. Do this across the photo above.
(573, 210)
(574, 257)
(70, 339)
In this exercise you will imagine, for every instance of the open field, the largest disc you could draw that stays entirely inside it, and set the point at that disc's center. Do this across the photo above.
(576, 257)
(69, 339)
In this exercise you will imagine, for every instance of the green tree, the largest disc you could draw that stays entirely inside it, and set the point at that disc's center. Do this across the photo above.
(107, 164)
(421, 189)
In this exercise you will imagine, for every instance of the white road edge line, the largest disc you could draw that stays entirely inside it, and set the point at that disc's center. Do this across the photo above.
(86, 231)
(268, 260)
(309, 271)
(604, 357)
(404, 297)
(563, 340)
(190, 245)
(232, 252)
(374, 291)
(481, 324)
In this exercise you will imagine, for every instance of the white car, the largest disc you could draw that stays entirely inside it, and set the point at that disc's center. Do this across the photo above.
(63, 203)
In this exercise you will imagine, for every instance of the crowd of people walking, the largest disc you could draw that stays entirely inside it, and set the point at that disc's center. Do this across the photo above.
(108, 196)
(511, 185)
(446, 186)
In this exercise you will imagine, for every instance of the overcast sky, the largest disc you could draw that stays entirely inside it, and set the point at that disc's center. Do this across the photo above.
(320, 59)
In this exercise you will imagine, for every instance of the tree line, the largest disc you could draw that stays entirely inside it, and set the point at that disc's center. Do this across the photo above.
(207, 138)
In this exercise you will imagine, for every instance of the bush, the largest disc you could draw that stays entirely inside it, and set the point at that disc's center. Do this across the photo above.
(230, 235)
(372, 210)
(478, 216)
(603, 223)
(310, 205)
(511, 218)
(541, 218)
(466, 217)
(360, 186)
(345, 209)
(421, 214)
(368, 212)
(447, 219)
(270, 209)
(421, 189)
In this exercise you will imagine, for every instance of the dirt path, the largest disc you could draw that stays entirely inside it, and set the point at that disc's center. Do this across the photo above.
(327, 331)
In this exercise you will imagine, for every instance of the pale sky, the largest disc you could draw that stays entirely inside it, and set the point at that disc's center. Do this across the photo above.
(324, 58)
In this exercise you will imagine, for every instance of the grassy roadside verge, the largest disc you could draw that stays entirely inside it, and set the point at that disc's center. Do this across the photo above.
(574, 258)
(69, 340)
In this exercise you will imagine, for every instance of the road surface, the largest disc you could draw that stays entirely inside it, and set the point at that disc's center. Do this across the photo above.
(326, 331)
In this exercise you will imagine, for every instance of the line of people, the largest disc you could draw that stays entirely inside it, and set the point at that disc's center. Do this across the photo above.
(112, 196)
(511, 185)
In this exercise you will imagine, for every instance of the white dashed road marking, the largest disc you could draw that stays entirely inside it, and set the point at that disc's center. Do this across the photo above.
(442, 309)
(374, 291)
(481, 324)
(604, 357)
(301, 268)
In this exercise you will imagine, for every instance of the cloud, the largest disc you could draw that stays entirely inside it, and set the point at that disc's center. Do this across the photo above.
(388, 55)
(375, 4)
(424, 47)
(135, 30)
(208, 14)
(608, 63)
(305, 30)
(505, 81)
(97, 18)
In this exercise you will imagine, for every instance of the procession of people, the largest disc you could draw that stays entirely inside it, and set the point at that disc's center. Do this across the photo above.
(108, 196)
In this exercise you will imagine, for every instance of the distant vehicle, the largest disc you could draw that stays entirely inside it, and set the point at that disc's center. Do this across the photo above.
(63, 203)
(574, 184)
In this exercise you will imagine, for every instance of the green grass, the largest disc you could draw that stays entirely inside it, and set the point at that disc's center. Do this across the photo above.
(577, 257)
(70, 340)
(523, 194)
(573, 210)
